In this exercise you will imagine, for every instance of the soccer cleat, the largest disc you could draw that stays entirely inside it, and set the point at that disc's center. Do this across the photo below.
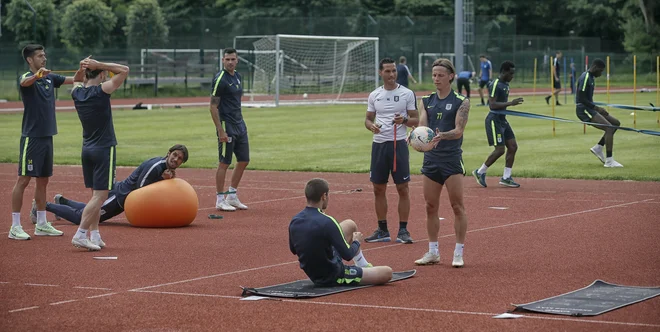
(611, 163)
(58, 200)
(224, 206)
(598, 152)
(33, 212)
(428, 259)
(458, 261)
(233, 201)
(404, 236)
(98, 242)
(378, 236)
(85, 243)
(47, 230)
(547, 100)
(481, 178)
(17, 233)
(509, 183)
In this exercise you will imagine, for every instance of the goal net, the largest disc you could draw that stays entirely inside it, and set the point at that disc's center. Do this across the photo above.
(290, 69)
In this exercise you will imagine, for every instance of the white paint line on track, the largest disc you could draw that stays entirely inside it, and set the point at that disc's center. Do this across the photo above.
(41, 285)
(102, 295)
(63, 302)
(4, 282)
(429, 310)
(23, 309)
(94, 288)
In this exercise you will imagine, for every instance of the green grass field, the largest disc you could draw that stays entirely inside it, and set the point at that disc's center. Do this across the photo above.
(333, 138)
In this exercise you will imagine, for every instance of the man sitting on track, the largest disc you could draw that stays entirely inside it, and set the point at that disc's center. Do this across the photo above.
(150, 171)
(321, 243)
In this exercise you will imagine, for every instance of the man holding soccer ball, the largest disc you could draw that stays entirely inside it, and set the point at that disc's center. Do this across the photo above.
(446, 112)
(391, 107)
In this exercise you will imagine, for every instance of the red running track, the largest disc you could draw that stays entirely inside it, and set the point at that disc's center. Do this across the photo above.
(553, 237)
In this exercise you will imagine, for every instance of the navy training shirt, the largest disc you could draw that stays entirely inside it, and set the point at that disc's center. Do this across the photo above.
(319, 242)
(95, 114)
(441, 114)
(150, 171)
(39, 105)
(584, 97)
(500, 91)
(402, 73)
(230, 90)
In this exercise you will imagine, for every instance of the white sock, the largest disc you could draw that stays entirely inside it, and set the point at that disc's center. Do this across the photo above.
(81, 233)
(41, 218)
(433, 248)
(359, 260)
(507, 172)
(608, 159)
(483, 169)
(15, 219)
(95, 235)
(598, 147)
(232, 196)
(219, 198)
(459, 249)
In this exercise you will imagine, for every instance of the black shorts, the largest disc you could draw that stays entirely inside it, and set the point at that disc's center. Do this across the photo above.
(557, 84)
(98, 166)
(441, 171)
(482, 83)
(350, 275)
(382, 162)
(239, 146)
(498, 130)
(35, 157)
(585, 114)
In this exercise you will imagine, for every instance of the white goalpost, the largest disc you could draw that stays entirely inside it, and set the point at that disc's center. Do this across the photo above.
(290, 69)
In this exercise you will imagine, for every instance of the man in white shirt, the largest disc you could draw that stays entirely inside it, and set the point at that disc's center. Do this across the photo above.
(391, 108)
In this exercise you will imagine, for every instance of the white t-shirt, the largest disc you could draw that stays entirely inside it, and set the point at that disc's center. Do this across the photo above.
(387, 103)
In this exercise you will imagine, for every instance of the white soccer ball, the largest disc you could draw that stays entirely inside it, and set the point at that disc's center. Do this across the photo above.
(304, 95)
(420, 139)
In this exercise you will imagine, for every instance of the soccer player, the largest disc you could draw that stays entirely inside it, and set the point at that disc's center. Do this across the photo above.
(150, 171)
(403, 73)
(231, 130)
(498, 130)
(391, 107)
(485, 74)
(588, 112)
(320, 243)
(572, 78)
(446, 111)
(463, 81)
(91, 97)
(556, 83)
(37, 88)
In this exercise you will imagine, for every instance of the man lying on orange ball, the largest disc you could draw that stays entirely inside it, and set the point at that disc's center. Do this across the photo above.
(150, 171)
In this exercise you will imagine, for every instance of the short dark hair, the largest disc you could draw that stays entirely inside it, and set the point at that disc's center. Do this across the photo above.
(482, 56)
(181, 148)
(506, 66)
(384, 61)
(89, 74)
(402, 59)
(598, 63)
(442, 62)
(315, 189)
(229, 50)
(30, 49)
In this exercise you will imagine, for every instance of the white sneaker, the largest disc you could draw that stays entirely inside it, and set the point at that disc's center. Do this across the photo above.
(17, 233)
(458, 261)
(428, 259)
(597, 150)
(611, 163)
(233, 201)
(85, 243)
(224, 206)
(98, 242)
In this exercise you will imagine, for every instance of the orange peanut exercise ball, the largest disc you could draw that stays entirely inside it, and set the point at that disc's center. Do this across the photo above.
(166, 203)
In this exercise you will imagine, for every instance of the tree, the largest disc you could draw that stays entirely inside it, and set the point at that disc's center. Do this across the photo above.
(145, 24)
(641, 31)
(20, 20)
(86, 25)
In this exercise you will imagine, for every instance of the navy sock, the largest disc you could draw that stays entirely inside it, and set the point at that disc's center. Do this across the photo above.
(403, 224)
(602, 141)
(609, 154)
(382, 225)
